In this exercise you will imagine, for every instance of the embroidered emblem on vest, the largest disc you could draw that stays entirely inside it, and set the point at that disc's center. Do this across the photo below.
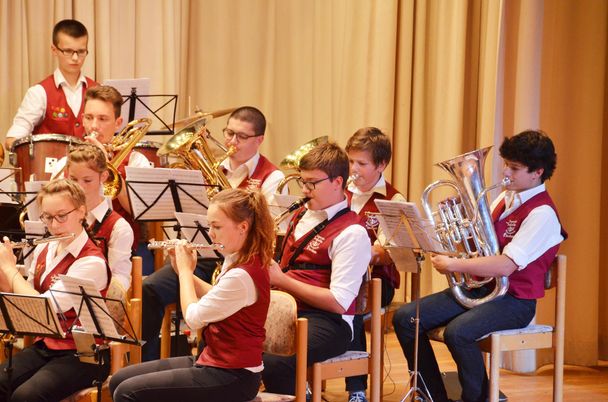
(59, 112)
(511, 229)
(314, 244)
(254, 184)
(371, 222)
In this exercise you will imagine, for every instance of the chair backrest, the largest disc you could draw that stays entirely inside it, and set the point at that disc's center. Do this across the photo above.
(281, 324)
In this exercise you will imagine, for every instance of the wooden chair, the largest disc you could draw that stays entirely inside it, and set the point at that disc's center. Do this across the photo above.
(533, 336)
(354, 362)
(165, 332)
(121, 354)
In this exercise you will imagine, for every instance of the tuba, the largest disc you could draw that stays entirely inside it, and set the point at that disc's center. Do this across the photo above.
(190, 145)
(121, 145)
(463, 224)
(292, 160)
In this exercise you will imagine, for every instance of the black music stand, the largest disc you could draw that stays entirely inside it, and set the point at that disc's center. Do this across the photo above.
(26, 315)
(409, 230)
(96, 321)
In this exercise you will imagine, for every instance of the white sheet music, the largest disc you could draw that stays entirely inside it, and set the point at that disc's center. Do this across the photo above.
(31, 314)
(145, 185)
(280, 203)
(124, 86)
(100, 309)
(32, 188)
(189, 223)
(7, 185)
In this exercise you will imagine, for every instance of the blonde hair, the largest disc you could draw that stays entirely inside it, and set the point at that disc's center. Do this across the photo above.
(89, 154)
(63, 186)
(251, 206)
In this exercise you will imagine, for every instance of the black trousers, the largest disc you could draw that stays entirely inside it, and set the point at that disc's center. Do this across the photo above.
(40, 374)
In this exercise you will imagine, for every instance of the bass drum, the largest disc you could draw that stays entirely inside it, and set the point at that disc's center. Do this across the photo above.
(37, 154)
(149, 149)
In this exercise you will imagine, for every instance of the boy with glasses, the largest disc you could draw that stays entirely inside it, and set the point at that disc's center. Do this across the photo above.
(322, 262)
(245, 168)
(55, 105)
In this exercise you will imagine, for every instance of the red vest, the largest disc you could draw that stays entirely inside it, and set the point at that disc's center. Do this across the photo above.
(123, 212)
(388, 272)
(263, 169)
(58, 117)
(89, 249)
(103, 234)
(314, 262)
(527, 283)
(237, 341)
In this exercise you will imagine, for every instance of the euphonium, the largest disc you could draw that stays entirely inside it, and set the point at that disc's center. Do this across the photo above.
(121, 145)
(292, 160)
(463, 224)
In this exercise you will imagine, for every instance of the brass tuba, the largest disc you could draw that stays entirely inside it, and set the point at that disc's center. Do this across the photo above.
(463, 224)
(121, 145)
(292, 160)
(190, 145)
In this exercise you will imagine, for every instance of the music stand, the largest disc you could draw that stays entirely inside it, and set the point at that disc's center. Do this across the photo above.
(408, 229)
(26, 315)
(96, 321)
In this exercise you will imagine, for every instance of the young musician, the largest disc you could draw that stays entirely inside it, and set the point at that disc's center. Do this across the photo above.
(232, 313)
(369, 152)
(529, 233)
(49, 369)
(55, 104)
(324, 257)
(246, 168)
(87, 167)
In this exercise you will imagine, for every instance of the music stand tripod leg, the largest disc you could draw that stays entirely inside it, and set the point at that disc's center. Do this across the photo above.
(415, 392)
(8, 341)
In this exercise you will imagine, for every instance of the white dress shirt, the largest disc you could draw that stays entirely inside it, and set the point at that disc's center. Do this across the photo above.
(539, 232)
(89, 267)
(245, 170)
(119, 245)
(349, 252)
(33, 107)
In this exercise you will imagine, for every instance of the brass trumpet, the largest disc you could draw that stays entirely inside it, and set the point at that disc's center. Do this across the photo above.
(34, 242)
(169, 244)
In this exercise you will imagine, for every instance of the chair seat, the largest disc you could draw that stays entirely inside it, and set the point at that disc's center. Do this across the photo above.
(530, 329)
(349, 355)
(269, 397)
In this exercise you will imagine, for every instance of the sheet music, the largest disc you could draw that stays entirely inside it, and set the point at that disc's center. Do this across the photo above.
(73, 287)
(30, 314)
(124, 86)
(7, 186)
(151, 198)
(32, 188)
(279, 204)
(188, 223)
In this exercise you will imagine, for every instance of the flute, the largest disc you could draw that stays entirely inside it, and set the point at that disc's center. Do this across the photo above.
(35, 242)
(169, 244)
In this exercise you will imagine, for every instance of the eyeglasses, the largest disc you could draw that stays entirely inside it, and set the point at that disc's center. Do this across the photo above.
(229, 134)
(310, 185)
(70, 52)
(60, 218)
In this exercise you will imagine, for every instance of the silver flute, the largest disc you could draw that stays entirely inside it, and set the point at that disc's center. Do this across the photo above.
(169, 244)
(34, 242)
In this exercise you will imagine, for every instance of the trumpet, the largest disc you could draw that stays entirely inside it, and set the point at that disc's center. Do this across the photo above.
(352, 178)
(34, 242)
(170, 244)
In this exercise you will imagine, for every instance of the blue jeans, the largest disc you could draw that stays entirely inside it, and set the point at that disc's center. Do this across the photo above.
(463, 328)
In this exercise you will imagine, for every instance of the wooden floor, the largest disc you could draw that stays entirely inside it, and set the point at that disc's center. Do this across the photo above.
(589, 384)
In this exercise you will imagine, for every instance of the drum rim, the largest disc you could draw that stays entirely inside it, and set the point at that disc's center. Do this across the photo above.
(70, 139)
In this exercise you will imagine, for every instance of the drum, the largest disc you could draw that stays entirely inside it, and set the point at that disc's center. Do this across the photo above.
(148, 149)
(37, 154)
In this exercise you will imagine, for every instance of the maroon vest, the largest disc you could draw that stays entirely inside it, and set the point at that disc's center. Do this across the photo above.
(104, 231)
(388, 272)
(527, 283)
(263, 169)
(237, 341)
(123, 212)
(89, 249)
(313, 265)
(58, 117)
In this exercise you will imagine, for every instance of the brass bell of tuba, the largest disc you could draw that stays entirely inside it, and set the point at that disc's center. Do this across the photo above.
(292, 160)
(121, 145)
(463, 224)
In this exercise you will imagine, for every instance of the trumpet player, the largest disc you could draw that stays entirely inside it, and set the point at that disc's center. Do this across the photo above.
(369, 152)
(529, 234)
(232, 313)
(50, 369)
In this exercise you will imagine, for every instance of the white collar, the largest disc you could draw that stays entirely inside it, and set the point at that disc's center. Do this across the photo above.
(379, 187)
(75, 246)
(515, 199)
(60, 79)
(330, 211)
(98, 213)
(251, 164)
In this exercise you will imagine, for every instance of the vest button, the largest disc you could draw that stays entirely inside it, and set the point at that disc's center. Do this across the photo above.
(77, 124)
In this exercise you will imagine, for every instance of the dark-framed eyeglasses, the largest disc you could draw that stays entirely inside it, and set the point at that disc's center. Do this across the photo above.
(71, 52)
(229, 135)
(60, 218)
(310, 185)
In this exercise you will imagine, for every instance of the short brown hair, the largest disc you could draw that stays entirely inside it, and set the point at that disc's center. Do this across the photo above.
(105, 93)
(67, 186)
(72, 28)
(251, 115)
(372, 140)
(90, 154)
(328, 158)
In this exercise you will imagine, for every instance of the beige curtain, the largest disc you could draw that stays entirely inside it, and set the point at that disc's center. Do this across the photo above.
(439, 77)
